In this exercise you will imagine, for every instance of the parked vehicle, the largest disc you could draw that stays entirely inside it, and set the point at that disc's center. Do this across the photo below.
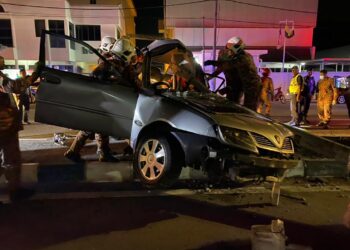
(168, 129)
(279, 96)
(342, 84)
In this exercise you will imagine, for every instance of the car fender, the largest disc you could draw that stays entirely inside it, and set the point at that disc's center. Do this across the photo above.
(151, 110)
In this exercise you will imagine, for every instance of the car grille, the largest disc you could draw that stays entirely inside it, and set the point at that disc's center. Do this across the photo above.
(263, 141)
(287, 144)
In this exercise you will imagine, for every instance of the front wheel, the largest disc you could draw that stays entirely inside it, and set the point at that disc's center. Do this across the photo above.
(156, 163)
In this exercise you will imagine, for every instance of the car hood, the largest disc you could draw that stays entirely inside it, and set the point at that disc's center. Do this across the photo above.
(225, 113)
(254, 124)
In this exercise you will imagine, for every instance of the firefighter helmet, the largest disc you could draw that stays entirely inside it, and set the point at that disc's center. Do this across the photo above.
(124, 49)
(235, 44)
(107, 43)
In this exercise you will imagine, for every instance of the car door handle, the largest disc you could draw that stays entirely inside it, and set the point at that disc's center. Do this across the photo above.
(52, 79)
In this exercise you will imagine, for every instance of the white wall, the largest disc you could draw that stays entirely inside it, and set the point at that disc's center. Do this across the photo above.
(26, 44)
(187, 14)
(251, 36)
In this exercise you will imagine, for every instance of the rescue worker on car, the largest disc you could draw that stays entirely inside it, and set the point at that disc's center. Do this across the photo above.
(240, 73)
(327, 95)
(295, 89)
(187, 75)
(187, 62)
(10, 124)
(118, 53)
(266, 92)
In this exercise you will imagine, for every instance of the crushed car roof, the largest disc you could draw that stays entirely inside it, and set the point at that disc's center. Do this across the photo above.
(159, 47)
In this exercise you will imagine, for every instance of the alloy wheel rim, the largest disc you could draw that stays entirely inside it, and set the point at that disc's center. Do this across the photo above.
(152, 159)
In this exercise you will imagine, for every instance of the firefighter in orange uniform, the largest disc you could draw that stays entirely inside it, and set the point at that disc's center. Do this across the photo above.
(327, 96)
(266, 92)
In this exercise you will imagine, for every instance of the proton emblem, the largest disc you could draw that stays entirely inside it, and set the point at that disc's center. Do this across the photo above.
(278, 139)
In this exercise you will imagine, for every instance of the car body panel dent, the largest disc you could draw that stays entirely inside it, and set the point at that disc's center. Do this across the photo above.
(150, 110)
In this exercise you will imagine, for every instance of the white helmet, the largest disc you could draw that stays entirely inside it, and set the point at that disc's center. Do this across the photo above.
(235, 44)
(124, 49)
(107, 43)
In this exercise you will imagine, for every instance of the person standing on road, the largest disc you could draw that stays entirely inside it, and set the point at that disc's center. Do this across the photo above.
(266, 92)
(307, 94)
(327, 96)
(10, 124)
(24, 97)
(240, 73)
(118, 53)
(295, 89)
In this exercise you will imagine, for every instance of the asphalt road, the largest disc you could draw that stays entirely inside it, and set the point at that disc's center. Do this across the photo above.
(202, 221)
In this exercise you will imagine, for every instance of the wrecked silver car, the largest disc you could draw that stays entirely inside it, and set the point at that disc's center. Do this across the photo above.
(168, 129)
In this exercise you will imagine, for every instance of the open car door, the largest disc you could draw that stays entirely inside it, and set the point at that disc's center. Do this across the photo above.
(69, 96)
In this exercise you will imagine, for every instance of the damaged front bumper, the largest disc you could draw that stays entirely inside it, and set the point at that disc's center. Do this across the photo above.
(266, 162)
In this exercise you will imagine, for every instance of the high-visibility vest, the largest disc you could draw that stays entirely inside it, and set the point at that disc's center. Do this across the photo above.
(294, 86)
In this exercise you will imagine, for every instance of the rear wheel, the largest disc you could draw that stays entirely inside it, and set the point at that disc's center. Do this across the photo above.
(341, 99)
(283, 99)
(156, 163)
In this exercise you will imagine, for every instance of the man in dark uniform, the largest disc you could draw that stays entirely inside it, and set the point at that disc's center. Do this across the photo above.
(307, 94)
(10, 124)
(118, 53)
(24, 97)
(240, 73)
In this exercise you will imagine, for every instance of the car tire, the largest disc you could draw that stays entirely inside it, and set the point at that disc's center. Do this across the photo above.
(283, 99)
(341, 99)
(156, 163)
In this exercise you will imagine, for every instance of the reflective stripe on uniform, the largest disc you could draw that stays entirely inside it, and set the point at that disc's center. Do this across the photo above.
(294, 87)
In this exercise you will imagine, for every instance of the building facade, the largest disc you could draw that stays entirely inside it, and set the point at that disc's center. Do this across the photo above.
(260, 23)
(21, 23)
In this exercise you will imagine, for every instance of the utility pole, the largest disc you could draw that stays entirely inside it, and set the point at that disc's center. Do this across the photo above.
(203, 42)
(284, 46)
(215, 28)
(286, 22)
(215, 35)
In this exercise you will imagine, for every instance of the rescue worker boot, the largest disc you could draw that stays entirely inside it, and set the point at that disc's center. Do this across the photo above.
(73, 153)
(326, 125)
(320, 124)
(26, 119)
(106, 157)
(16, 192)
(103, 150)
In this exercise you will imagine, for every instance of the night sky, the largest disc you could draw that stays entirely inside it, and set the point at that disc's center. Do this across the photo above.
(333, 22)
(147, 19)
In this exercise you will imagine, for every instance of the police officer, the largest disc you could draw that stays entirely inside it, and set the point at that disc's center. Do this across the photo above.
(327, 96)
(240, 73)
(267, 92)
(10, 124)
(295, 89)
(118, 53)
(307, 94)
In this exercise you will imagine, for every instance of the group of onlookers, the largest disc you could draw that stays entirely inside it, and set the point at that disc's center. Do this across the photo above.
(302, 91)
